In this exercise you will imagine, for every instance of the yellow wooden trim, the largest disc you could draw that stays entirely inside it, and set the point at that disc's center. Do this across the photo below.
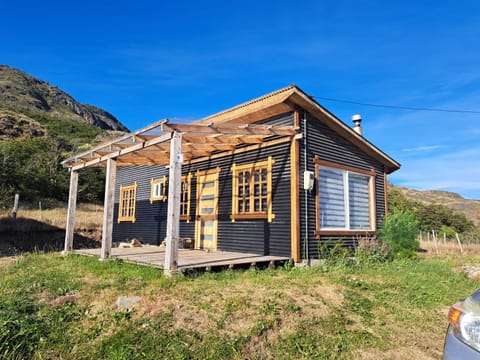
(320, 162)
(344, 232)
(295, 195)
(269, 215)
(385, 192)
(372, 193)
(130, 199)
(234, 192)
(201, 177)
(188, 180)
(153, 182)
(372, 205)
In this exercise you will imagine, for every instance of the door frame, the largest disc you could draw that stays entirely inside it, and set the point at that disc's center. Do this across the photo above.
(201, 179)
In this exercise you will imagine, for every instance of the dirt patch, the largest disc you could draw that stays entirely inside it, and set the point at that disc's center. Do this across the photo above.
(26, 235)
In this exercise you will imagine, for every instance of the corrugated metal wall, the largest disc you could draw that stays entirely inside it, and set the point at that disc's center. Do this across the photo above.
(256, 236)
(329, 146)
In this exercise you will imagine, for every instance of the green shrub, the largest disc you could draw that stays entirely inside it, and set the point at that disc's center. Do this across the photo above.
(399, 233)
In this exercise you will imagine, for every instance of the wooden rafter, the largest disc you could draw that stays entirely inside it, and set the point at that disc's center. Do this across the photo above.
(151, 145)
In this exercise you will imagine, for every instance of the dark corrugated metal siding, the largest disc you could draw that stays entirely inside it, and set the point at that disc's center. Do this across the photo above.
(329, 146)
(255, 236)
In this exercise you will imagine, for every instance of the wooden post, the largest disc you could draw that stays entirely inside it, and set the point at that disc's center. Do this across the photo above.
(72, 204)
(107, 227)
(173, 212)
(444, 239)
(15, 206)
(295, 195)
(435, 241)
(459, 243)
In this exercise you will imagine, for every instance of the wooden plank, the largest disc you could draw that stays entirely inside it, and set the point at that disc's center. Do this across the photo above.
(230, 129)
(146, 129)
(118, 153)
(72, 204)
(318, 161)
(385, 191)
(173, 211)
(295, 195)
(187, 258)
(107, 228)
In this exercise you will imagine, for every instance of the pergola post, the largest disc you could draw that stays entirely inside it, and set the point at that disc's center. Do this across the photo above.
(107, 227)
(72, 204)
(173, 214)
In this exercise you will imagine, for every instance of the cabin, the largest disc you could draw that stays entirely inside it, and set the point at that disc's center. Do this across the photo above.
(276, 176)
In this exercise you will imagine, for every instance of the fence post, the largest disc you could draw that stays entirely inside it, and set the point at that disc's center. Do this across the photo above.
(435, 241)
(15, 206)
(459, 243)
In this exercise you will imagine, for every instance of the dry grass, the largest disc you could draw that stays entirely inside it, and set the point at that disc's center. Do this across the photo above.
(449, 247)
(87, 217)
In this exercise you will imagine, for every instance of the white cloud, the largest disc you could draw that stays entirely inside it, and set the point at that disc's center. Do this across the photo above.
(422, 148)
(456, 171)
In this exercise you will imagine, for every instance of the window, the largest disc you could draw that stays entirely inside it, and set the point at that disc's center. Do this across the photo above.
(252, 191)
(126, 205)
(158, 189)
(345, 198)
(185, 197)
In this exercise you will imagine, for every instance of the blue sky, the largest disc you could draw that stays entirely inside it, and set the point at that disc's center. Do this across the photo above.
(147, 60)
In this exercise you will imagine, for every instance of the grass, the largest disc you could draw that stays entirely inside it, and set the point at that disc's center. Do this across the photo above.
(88, 216)
(65, 307)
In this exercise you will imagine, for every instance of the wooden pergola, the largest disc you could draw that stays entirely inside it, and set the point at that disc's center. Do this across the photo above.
(168, 144)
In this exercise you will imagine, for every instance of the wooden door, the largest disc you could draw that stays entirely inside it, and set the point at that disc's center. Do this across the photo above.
(207, 210)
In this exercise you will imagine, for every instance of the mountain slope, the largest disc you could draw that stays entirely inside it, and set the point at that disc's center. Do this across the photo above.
(40, 125)
(28, 96)
(471, 208)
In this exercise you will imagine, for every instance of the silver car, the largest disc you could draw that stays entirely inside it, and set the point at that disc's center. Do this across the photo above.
(463, 334)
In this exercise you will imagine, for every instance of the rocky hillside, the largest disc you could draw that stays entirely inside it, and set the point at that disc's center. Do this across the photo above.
(40, 125)
(471, 208)
(28, 105)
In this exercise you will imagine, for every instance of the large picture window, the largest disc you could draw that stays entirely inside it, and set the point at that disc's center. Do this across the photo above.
(127, 203)
(345, 199)
(252, 191)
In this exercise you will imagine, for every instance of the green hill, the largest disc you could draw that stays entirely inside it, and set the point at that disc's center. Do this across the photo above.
(40, 125)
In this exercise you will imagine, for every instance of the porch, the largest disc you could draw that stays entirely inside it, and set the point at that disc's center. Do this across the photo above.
(188, 258)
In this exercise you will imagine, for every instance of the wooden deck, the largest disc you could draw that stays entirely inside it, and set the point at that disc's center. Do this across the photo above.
(188, 259)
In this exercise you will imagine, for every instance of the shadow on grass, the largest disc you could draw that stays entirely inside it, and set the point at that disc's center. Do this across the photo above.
(26, 235)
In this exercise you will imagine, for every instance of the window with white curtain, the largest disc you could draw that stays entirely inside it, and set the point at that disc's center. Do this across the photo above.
(344, 199)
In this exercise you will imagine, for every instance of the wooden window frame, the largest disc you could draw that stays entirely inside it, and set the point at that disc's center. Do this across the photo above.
(185, 200)
(153, 184)
(252, 214)
(131, 202)
(371, 200)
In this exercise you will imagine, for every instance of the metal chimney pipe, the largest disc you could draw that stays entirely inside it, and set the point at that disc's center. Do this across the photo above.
(357, 119)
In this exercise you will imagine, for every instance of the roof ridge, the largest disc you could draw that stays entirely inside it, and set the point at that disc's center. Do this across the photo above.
(250, 102)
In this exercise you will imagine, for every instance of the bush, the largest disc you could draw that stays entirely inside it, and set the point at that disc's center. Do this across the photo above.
(399, 233)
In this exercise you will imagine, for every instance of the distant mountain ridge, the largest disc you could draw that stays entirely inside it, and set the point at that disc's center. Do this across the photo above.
(26, 100)
(471, 208)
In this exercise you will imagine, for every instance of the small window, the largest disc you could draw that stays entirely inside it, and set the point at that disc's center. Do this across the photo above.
(345, 199)
(252, 191)
(127, 203)
(158, 190)
(185, 197)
